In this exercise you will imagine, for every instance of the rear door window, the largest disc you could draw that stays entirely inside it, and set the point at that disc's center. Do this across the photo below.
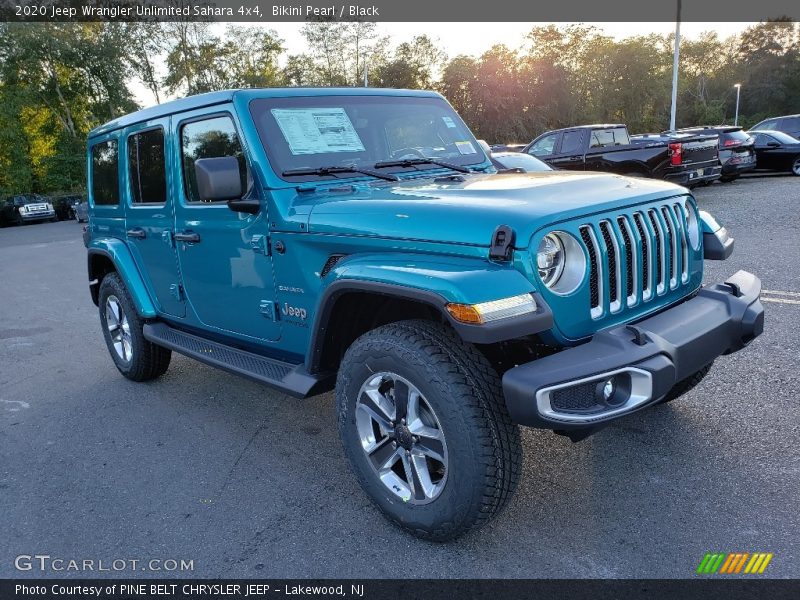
(791, 124)
(571, 142)
(105, 179)
(146, 167)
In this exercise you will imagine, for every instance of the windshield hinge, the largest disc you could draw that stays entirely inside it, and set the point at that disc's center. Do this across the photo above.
(502, 245)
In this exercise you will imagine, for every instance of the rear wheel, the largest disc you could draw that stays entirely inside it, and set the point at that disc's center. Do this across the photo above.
(424, 425)
(136, 358)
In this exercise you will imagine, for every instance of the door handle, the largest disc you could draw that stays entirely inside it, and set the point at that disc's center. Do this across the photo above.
(136, 232)
(190, 237)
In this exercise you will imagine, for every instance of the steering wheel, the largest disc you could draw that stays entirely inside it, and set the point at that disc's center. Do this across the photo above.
(404, 153)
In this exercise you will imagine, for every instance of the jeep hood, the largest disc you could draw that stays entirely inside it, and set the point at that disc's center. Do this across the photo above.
(467, 212)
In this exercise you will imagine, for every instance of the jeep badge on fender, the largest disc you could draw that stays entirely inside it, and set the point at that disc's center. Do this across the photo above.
(446, 303)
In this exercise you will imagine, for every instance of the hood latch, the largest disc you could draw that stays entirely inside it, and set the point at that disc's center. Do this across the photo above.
(502, 245)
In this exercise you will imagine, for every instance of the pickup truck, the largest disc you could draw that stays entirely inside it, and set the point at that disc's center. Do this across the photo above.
(683, 159)
(360, 240)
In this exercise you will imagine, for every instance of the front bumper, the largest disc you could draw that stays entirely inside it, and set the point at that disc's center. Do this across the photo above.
(38, 216)
(565, 391)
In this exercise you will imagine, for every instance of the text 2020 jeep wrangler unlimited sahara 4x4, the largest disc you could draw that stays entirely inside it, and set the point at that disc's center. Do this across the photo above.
(360, 239)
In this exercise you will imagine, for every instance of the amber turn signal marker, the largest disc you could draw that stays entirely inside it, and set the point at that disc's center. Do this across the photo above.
(464, 313)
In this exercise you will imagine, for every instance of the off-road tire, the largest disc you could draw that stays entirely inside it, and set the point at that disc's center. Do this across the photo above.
(485, 453)
(148, 360)
(683, 386)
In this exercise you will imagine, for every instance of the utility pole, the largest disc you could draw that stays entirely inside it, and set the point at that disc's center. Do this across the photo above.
(366, 72)
(738, 87)
(675, 59)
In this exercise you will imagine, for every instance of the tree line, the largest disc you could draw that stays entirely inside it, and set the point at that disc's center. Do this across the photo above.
(58, 81)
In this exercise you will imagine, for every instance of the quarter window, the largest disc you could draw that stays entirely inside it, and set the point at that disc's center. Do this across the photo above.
(146, 167)
(105, 182)
(210, 138)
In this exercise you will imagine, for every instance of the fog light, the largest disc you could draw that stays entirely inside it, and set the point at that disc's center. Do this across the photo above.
(608, 390)
(611, 391)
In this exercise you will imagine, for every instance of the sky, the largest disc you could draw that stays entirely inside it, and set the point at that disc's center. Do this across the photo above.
(469, 38)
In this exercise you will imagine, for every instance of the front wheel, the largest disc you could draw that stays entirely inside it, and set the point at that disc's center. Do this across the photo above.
(423, 422)
(796, 166)
(136, 357)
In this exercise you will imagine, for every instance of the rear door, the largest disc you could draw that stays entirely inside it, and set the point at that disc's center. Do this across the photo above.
(149, 213)
(569, 154)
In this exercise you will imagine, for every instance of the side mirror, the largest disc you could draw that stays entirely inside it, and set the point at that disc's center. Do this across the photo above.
(773, 144)
(218, 179)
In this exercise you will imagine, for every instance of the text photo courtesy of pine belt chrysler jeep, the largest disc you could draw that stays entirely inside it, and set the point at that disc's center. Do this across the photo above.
(361, 240)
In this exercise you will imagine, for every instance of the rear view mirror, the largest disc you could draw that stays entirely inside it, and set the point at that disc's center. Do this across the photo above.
(773, 144)
(218, 178)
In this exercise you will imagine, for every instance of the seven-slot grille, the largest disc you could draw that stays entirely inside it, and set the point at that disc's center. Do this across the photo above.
(644, 254)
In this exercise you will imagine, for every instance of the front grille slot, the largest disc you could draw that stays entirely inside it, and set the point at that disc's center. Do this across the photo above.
(684, 241)
(612, 250)
(659, 250)
(595, 270)
(631, 263)
(647, 255)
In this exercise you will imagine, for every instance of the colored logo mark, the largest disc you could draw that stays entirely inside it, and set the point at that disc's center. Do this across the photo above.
(730, 563)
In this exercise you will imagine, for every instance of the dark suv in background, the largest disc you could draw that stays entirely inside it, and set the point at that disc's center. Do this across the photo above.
(737, 154)
(789, 124)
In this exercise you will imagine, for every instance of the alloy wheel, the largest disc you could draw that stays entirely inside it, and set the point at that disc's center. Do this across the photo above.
(402, 438)
(118, 328)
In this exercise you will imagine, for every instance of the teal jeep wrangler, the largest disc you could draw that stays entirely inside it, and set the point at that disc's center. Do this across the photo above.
(361, 240)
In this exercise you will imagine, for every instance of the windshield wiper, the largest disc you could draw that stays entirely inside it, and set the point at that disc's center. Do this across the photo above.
(413, 162)
(335, 170)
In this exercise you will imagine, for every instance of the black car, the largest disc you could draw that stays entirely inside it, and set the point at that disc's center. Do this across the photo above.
(518, 161)
(736, 149)
(26, 208)
(776, 151)
(789, 124)
(65, 206)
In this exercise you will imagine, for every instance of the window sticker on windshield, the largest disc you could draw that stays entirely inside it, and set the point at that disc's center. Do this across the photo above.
(317, 130)
(465, 147)
(449, 122)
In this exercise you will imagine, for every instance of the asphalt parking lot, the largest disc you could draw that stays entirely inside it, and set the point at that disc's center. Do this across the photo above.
(245, 482)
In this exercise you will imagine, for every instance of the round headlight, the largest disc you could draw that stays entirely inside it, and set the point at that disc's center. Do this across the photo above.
(550, 259)
(561, 262)
(692, 225)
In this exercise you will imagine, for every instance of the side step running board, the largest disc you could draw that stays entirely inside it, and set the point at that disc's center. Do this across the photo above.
(286, 377)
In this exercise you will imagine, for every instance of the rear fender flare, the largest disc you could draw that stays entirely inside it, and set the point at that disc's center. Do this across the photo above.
(119, 255)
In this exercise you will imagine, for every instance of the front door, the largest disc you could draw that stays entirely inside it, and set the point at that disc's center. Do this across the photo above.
(149, 215)
(223, 255)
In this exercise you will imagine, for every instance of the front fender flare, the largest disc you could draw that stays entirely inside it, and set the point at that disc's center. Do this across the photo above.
(435, 281)
(119, 255)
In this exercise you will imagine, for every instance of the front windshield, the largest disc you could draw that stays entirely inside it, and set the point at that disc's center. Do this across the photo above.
(320, 132)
